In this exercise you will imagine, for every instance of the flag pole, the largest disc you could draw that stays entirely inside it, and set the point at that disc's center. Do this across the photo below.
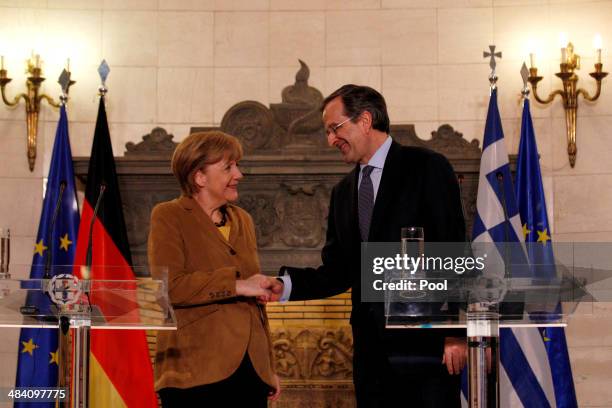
(82, 333)
(63, 344)
(483, 310)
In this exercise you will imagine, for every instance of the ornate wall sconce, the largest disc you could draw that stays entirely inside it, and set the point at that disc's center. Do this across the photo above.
(570, 62)
(32, 98)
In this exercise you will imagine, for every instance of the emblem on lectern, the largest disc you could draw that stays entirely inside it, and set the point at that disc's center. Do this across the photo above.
(64, 289)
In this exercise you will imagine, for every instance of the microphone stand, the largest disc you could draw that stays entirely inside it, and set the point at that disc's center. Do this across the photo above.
(88, 256)
(58, 203)
(80, 364)
(33, 309)
(500, 182)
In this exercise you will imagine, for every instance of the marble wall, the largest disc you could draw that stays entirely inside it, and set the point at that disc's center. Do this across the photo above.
(183, 63)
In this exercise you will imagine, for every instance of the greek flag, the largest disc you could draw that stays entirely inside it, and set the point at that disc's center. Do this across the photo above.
(525, 375)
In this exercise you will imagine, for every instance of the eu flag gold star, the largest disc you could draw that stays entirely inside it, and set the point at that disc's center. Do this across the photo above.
(525, 230)
(54, 358)
(543, 236)
(40, 248)
(65, 242)
(29, 347)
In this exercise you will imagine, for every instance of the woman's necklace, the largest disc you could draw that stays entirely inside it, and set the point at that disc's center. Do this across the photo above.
(223, 212)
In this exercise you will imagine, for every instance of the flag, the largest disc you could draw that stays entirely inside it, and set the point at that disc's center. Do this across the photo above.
(37, 364)
(532, 207)
(120, 369)
(521, 385)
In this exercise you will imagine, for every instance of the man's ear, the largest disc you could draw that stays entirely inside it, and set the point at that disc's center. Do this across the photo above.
(366, 121)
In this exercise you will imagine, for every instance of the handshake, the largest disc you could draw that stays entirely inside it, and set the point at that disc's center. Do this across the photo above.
(264, 288)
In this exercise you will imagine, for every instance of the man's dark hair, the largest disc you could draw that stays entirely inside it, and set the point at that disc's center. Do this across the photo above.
(358, 99)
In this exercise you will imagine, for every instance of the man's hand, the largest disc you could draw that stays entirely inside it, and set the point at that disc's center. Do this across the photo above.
(275, 287)
(455, 354)
(255, 286)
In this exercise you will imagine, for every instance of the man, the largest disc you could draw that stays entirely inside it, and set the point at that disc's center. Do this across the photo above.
(392, 186)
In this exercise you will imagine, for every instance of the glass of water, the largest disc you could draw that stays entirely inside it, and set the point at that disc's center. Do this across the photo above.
(413, 246)
(413, 241)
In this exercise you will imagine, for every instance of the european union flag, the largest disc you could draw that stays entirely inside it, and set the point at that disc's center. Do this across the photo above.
(38, 348)
(536, 230)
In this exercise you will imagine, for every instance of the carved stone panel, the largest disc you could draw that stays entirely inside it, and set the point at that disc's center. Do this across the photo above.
(290, 216)
(313, 353)
(158, 142)
(315, 366)
(252, 123)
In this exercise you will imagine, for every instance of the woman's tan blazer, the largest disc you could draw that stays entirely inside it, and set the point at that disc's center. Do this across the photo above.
(215, 327)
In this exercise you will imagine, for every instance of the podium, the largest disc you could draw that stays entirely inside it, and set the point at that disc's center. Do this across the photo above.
(77, 306)
(482, 306)
(480, 288)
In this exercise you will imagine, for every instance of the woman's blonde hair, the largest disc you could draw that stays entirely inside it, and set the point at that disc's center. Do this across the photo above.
(199, 150)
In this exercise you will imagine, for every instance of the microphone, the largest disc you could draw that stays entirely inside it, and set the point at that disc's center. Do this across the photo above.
(88, 256)
(5, 253)
(460, 179)
(513, 303)
(58, 204)
(500, 184)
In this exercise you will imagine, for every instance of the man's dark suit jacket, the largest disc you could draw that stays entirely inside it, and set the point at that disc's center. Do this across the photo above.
(418, 188)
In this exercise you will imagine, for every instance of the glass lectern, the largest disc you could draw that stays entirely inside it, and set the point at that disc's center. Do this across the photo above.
(76, 306)
(481, 305)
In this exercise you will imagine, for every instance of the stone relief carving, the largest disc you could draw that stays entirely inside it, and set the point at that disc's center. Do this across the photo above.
(287, 364)
(137, 206)
(313, 353)
(299, 112)
(336, 356)
(261, 207)
(158, 142)
(302, 214)
(293, 217)
(300, 93)
(444, 140)
(252, 123)
(452, 144)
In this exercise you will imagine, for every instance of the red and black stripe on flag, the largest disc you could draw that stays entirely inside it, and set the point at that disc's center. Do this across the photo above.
(122, 354)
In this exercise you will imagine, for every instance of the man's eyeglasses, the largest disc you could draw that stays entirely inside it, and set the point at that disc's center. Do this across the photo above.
(333, 129)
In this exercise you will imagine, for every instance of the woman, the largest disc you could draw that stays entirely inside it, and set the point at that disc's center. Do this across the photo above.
(221, 353)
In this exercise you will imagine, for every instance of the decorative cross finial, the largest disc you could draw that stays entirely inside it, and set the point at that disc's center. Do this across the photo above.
(492, 63)
(525, 76)
(492, 55)
(103, 70)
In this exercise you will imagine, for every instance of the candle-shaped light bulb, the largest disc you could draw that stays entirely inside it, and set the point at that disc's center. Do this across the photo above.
(1, 61)
(563, 43)
(531, 49)
(597, 45)
(37, 61)
(68, 65)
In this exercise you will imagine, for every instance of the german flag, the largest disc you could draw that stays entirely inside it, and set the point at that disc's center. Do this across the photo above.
(120, 369)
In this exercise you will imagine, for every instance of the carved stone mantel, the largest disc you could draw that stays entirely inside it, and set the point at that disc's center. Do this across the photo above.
(289, 173)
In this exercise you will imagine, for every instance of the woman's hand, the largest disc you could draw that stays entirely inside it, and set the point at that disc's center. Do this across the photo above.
(255, 286)
(274, 394)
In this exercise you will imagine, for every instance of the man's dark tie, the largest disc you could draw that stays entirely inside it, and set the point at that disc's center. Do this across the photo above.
(366, 202)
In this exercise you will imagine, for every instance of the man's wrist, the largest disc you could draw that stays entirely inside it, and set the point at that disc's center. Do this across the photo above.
(286, 280)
